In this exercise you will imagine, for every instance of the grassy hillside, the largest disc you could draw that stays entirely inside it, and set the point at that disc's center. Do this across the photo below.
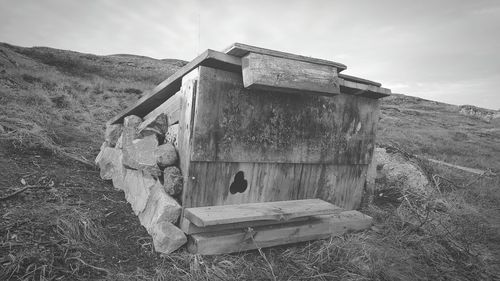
(71, 225)
(61, 99)
(438, 130)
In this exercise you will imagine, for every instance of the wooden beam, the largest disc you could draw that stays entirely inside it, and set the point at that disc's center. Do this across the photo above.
(190, 228)
(359, 89)
(171, 107)
(278, 211)
(287, 75)
(359, 80)
(241, 50)
(319, 227)
(173, 83)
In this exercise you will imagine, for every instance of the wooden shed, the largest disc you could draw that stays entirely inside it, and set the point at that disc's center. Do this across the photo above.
(258, 125)
(272, 125)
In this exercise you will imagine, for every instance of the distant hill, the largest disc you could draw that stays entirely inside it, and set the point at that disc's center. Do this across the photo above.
(54, 98)
(63, 98)
(440, 131)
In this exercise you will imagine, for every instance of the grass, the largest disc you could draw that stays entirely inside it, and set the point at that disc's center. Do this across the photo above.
(54, 102)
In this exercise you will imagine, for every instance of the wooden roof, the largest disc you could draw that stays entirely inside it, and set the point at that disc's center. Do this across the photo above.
(230, 60)
(240, 50)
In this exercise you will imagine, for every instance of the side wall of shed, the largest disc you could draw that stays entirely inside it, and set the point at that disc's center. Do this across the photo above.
(288, 146)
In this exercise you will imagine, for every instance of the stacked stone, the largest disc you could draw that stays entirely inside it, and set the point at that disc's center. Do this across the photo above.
(141, 158)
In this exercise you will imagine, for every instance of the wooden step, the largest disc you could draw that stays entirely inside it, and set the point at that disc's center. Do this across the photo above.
(190, 228)
(271, 211)
(318, 227)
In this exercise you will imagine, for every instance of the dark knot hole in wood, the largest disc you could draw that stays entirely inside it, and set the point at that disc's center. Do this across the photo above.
(239, 184)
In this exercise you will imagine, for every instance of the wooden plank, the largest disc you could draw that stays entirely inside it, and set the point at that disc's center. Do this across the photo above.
(209, 183)
(188, 97)
(342, 185)
(171, 108)
(358, 80)
(191, 228)
(290, 76)
(320, 227)
(241, 50)
(350, 87)
(278, 211)
(173, 83)
(234, 124)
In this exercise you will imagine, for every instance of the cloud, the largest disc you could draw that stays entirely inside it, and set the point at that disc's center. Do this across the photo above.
(438, 48)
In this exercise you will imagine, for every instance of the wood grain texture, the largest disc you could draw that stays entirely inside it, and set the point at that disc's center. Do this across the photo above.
(358, 80)
(241, 50)
(188, 96)
(319, 227)
(208, 183)
(277, 211)
(191, 228)
(234, 124)
(357, 87)
(173, 83)
(290, 76)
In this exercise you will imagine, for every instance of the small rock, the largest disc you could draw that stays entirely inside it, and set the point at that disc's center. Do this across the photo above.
(439, 205)
(130, 132)
(376, 229)
(113, 133)
(132, 121)
(109, 161)
(172, 180)
(99, 156)
(167, 237)
(171, 135)
(119, 142)
(166, 155)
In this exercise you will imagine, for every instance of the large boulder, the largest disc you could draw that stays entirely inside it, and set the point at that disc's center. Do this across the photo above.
(137, 188)
(140, 155)
(392, 170)
(109, 161)
(159, 207)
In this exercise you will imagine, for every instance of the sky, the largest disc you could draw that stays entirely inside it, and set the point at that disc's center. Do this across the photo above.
(443, 50)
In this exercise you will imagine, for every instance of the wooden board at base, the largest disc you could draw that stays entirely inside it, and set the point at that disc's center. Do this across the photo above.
(319, 227)
(208, 183)
(190, 228)
(277, 211)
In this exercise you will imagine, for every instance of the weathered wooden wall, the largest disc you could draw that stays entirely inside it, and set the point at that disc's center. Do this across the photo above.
(289, 146)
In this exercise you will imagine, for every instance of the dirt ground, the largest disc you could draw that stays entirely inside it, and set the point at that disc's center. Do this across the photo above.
(55, 218)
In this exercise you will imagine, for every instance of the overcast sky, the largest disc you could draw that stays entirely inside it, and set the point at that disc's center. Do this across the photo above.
(440, 50)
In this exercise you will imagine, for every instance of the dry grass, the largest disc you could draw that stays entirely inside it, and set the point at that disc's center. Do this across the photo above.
(59, 101)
